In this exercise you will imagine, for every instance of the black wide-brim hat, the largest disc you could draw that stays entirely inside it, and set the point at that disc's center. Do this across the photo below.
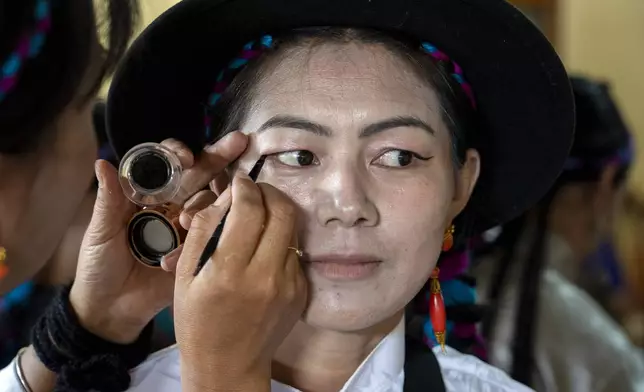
(522, 91)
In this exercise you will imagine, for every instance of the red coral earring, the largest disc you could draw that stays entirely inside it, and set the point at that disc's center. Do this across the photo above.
(4, 270)
(437, 309)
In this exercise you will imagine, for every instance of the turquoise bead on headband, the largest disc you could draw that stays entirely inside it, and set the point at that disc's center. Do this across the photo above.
(250, 51)
(30, 44)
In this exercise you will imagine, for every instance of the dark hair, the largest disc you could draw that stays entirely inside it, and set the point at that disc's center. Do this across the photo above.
(601, 134)
(231, 108)
(53, 79)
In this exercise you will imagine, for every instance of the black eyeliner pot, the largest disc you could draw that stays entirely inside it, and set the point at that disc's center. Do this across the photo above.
(150, 175)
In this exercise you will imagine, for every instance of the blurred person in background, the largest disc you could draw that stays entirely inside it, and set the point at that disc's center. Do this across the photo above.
(628, 242)
(61, 268)
(20, 308)
(543, 328)
(52, 65)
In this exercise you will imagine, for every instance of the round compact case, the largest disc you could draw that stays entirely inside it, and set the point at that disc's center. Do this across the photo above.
(150, 175)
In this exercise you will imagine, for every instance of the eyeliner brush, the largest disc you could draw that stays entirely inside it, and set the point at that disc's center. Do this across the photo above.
(213, 242)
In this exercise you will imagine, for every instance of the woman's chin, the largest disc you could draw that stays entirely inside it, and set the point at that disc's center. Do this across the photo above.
(340, 310)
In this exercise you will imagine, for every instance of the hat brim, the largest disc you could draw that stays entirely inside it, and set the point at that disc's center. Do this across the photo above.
(521, 87)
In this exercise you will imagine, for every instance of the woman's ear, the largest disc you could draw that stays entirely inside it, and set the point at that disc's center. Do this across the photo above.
(466, 178)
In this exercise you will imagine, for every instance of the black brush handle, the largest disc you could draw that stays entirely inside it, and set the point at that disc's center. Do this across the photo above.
(213, 242)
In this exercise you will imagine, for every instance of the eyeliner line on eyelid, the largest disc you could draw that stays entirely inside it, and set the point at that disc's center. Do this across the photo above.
(414, 153)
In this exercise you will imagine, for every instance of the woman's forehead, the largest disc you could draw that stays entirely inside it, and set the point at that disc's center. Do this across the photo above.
(347, 80)
(333, 65)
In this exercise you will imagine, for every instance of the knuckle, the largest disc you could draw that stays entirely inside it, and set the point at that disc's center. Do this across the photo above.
(250, 211)
(279, 205)
(226, 284)
(206, 218)
(269, 289)
(201, 195)
(200, 220)
(177, 147)
(256, 214)
(291, 293)
(247, 193)
(201, 200)
(284, 215)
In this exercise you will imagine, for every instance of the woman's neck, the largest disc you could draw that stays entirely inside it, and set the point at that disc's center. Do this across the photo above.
(319, 360)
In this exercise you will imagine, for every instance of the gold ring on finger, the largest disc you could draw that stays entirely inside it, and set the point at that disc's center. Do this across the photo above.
(298, 252)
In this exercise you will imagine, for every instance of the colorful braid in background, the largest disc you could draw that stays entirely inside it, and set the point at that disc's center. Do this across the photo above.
(29, 46)
(254, 49)
(458, 293)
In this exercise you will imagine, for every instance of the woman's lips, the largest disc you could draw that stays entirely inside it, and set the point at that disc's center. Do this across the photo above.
(343, 267)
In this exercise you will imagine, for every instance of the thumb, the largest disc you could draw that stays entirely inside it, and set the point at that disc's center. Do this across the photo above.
(112, 209)
(169, 261)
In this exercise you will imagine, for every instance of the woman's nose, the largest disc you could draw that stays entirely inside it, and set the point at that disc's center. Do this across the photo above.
(347, 201)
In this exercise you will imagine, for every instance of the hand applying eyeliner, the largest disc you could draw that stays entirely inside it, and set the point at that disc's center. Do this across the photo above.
(254, 273)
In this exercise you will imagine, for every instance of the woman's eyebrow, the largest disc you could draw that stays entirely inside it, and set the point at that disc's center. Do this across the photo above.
(283, 121)
(396, 122)
(293, 122)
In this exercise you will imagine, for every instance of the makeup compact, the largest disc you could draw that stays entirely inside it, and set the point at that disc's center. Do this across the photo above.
(150, 175)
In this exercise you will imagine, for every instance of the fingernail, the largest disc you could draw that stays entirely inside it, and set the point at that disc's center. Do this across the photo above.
(215, 146)
(99, 176)
(226, 139)
(223, 199)
(211, 148)
(170, 260)
(164, 265)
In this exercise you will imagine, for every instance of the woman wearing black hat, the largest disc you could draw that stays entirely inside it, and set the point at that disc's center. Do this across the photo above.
(542, 323)
(376, 119)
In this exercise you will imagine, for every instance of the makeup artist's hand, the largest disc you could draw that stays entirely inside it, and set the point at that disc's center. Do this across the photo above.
(232, 316)
(114, 295)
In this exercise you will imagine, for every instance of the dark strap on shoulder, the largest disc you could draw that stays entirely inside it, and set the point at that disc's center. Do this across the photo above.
(422, 371)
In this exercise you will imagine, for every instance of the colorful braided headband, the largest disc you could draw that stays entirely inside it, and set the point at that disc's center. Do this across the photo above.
(29, 46)
(254, 49)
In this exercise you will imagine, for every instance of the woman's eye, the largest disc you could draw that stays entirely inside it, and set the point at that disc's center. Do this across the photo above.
(297, 158)
(396, 158)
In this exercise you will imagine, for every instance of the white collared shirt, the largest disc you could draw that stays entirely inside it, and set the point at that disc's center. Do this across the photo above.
(381, 371)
